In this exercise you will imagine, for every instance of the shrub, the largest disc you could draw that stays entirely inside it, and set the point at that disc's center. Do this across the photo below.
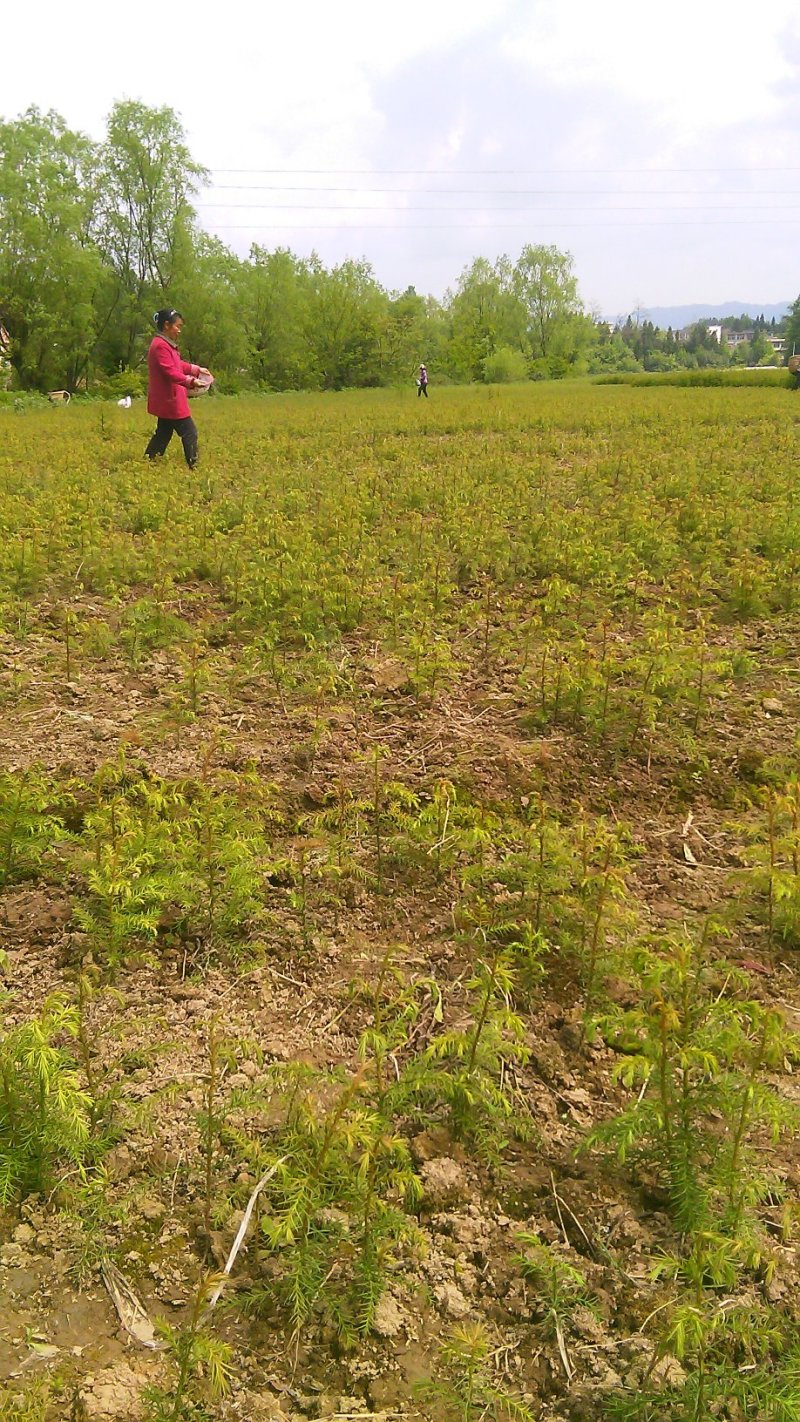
(764, 376)
(504, 366)
(125, 382)
(44, 1114)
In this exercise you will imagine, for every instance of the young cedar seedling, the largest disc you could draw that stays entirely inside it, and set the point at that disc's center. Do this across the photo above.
(698, 1069)
(557, 1288)
(468, 1387)
(469, 1068)
(44, 1111)
(338, 1198)
(202, 1364)
(30, 823)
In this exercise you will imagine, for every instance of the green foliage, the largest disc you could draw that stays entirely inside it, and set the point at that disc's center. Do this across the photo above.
(396, 1006)
(773, 854)
(469, 1387)
(546, 289)
(603, 860)
(29, 823)
(440, 830)
(131, 877)
(740, 1356)
(147, 624)
(202, 1365)
(225, 852)
(470, 1068)
(185, 858)
(558, 1289)
(752, 379)
(467, 1070)
(48, 271)
(696, 1050)
(28, 1401)
(44, 1112)
(336, 1206)
(504, 365)
(557, 1285)
(124, 382)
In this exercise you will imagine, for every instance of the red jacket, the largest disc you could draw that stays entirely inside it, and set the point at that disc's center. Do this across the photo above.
(168, 378)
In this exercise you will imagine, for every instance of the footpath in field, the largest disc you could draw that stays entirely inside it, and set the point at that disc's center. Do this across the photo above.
(401, 813)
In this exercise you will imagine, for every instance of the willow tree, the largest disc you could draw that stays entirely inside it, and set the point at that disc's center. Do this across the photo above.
(50, 270)
(146, 222)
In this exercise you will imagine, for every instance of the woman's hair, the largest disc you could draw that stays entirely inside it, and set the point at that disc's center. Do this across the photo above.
(165, 316)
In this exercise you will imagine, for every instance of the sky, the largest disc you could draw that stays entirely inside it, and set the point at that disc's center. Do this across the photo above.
(658, 145)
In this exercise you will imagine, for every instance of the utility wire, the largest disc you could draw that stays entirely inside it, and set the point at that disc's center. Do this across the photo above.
(485, 226)
(485, 172)
(415, 207)
(501, 192)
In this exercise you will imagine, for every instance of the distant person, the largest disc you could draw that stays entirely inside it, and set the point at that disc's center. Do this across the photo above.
(168, 379)
(422, 382)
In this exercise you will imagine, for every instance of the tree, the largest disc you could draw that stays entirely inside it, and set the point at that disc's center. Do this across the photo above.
(793, 329)
(49, 268)
(402, 336)
(208, 289)
(278, 293)
(610, 352)
(347, 307)
(483, 316)
(145, 222)
(547, 291)
(760, 352)
(705, 347)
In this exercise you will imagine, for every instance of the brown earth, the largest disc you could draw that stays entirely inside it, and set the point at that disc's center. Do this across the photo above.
(293, 1002)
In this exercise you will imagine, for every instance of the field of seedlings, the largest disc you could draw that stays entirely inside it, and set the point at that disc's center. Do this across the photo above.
(400, 909)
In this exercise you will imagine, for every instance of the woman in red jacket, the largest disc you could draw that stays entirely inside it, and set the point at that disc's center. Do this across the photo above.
(168, 380)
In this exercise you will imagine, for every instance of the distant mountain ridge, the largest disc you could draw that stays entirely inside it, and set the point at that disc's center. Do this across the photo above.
(679, 316)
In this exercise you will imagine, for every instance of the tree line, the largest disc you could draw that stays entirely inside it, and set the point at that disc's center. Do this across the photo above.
(94, 236)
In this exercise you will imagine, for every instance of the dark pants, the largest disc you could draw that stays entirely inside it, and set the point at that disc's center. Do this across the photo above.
(186, 428)
(423, 389)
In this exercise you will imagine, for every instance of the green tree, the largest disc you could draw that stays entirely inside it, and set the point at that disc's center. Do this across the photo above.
(347, 306)
(547, 292)
(483, 317)
(49, 268)
(208, 289)
(610, 351)
(145, 225)
(409, 332)
(278, 297)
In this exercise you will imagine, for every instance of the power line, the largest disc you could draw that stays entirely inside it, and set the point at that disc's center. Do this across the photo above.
(415, 207)
(485, 172)
(485, 226)
(502, 192)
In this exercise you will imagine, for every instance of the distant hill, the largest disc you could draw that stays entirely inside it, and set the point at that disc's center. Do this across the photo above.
(679, 316)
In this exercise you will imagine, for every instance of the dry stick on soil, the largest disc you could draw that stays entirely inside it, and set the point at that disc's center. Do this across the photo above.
(133, 1315)
(559, 1199)
(558, 1210)
(560, 1340)
(235, 1247)
(175, 1181)
(210, 1123)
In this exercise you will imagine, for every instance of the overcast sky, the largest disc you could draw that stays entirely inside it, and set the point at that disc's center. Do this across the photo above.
(657, 144)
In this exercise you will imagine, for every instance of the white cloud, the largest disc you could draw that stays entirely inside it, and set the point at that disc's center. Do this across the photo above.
(456, 85)
(304, 67)
(693, 63)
